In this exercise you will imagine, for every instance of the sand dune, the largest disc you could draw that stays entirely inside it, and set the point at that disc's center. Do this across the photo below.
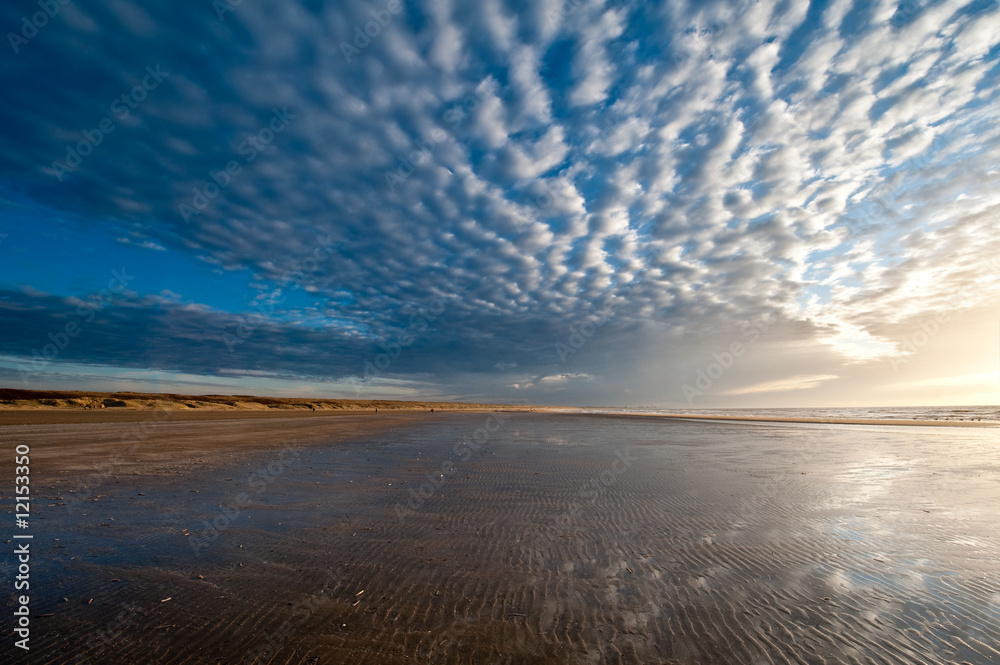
(33, 407)
(21, 399)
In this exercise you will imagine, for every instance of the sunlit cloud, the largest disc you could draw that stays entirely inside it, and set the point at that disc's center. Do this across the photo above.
(978, 381)
(500, 198)
(783, 385)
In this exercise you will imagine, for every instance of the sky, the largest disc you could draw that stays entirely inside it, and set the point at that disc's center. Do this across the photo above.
(672, 204)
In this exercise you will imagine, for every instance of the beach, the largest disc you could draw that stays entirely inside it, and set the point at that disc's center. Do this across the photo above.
(491, 537)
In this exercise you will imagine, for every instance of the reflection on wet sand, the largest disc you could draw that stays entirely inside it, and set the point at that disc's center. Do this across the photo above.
(550, 539)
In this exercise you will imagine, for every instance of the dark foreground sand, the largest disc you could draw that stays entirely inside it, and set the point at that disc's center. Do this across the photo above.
(509, 538)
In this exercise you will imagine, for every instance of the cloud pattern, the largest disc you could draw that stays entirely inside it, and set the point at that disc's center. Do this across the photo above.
(670, 170)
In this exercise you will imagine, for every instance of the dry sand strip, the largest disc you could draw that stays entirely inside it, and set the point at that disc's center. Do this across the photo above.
(66, 407)
(778, 419)
(64, 416)
(16, 398)
(173, 437)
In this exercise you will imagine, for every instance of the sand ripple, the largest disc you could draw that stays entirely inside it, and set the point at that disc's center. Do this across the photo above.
(554, 539)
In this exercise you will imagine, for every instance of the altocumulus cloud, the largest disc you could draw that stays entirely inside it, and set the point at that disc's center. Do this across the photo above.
(685, 166)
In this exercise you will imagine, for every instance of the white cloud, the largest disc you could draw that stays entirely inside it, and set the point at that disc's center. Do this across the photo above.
(561, 378)
(792, 383)
(843, 182)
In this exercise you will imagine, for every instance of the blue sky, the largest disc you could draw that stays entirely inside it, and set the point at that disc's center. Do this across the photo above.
(559, 202)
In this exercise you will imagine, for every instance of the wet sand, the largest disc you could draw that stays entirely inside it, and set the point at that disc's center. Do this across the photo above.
(511, 538)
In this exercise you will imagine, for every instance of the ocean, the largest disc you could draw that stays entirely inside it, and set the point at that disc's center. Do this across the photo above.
(965, 413)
